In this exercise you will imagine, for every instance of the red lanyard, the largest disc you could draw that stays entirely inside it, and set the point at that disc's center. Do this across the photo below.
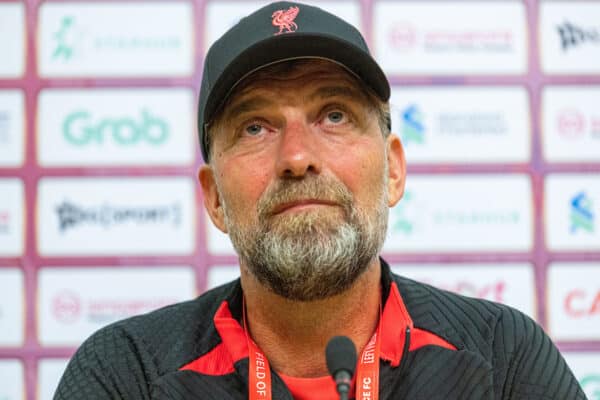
(367, 370)
(259, 373)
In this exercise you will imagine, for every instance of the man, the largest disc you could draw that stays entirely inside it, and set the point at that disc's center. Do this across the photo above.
(301, 171)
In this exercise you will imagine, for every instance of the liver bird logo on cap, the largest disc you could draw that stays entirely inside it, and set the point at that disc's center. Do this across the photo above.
(284, 19)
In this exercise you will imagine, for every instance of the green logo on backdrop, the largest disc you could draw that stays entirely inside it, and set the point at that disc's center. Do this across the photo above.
(403, 223)
(476, 217)
(71, 35)
(80, 129)
(591, 386)
(63, 49)
(409, 215)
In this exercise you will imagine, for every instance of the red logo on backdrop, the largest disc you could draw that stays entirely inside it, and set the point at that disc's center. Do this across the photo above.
(4, 221)
(284, 19)
(571, 124)
(66, 307)
(403, 36)
(580, 303)
(595, 127)
(495, 291)
(492, 291)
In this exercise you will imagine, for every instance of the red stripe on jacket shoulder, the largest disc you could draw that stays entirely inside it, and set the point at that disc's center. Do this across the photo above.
(215, 362)
(233, 346)
(420, 338)
(394, 323)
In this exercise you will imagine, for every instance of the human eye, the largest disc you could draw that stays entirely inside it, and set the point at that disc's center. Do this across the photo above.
(335, 116)
(253, 129)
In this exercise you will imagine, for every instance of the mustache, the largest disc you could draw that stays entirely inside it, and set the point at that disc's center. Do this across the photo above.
(311, 187)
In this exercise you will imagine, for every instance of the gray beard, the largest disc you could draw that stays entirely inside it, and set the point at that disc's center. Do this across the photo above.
(314, 255)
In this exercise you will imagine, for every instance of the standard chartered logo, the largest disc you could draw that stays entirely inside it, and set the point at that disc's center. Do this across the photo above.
(80, 128)
(413, 129)
(582, 217)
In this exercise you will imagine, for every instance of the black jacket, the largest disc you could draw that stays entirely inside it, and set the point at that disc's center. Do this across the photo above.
(457, 348)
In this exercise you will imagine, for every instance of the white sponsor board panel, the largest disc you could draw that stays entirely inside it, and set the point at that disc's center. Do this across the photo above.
(511, 283)
(571, 123)
(447, 38)
(104, 216)
(572, 212)
(483, 124)
(569, 36)
(12, 307)
(50, 370)
(12, 39)
(222, 15)
(586, 368)
(12, 217)
(457, 213)
(221, 274)
(12, 127)
(116, 127)
(73, 303)
(116, 39)
(12, 383)
(217, 242)
(574, 301)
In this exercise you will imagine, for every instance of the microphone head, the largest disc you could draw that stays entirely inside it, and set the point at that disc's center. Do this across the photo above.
(340, 354)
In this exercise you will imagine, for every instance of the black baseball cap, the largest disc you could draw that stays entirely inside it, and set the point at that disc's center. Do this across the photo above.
(278, 32)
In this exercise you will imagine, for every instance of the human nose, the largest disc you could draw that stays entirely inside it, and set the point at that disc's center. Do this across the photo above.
(297, 150)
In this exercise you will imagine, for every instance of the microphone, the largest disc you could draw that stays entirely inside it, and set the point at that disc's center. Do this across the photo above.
(340, 355)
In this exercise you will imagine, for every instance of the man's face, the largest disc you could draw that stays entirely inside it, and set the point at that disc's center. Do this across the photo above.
(300, 178)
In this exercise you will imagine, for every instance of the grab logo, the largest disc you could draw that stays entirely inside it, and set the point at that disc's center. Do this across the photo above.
(93, 127)
(80, 129)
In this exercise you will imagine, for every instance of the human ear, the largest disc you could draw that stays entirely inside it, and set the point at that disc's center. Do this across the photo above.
(212, 199)
(396, 169)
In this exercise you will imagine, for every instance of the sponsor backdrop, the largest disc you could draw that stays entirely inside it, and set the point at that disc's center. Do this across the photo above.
(100, 213)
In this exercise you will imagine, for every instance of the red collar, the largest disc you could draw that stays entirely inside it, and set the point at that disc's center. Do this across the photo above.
(395, 321)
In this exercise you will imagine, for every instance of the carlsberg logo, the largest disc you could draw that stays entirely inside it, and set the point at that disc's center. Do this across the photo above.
(80, 129)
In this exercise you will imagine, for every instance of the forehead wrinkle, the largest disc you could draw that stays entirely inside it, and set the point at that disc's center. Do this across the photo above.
(248, 105)
(255, 100)
(335, 91)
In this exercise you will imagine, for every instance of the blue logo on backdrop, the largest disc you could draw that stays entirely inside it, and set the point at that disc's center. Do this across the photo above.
(582, 217)
(413, 129)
